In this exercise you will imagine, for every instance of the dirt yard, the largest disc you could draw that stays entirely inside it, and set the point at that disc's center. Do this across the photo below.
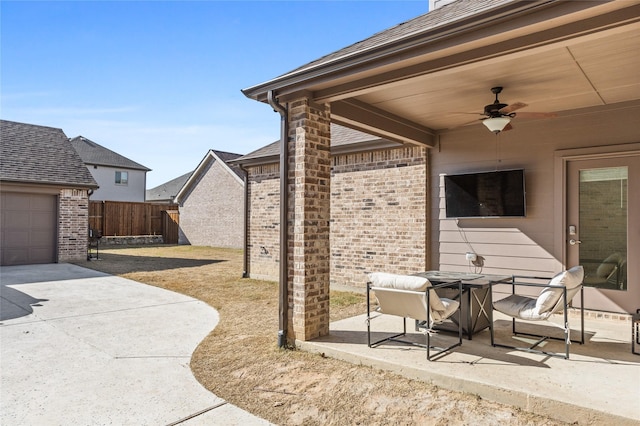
(240, 362)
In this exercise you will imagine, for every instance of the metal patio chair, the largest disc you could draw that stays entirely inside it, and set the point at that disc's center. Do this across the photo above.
(555, 296)
(412, 297)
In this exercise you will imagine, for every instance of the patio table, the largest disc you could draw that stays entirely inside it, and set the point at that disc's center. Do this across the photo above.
(476, 306)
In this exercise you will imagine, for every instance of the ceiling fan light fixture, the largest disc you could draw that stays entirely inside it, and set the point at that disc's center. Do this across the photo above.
(496, 124)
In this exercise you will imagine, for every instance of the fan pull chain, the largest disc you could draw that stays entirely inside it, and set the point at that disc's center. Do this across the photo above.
(497, 152)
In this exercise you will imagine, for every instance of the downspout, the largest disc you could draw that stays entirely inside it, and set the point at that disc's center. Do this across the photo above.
(245, 255)
(283, 305)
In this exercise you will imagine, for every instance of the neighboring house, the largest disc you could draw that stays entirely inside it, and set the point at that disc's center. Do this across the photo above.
(211, 203)
(166, 193)
(119, 178)
(378, 189)
(44, 190)
(570, 75)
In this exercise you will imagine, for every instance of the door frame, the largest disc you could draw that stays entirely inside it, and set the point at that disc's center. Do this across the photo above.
(562, 157)
(561, 160)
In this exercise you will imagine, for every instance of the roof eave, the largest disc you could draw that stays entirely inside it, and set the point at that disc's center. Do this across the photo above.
(51, 184)
(300, 79)
(96, 163)
(257, 161)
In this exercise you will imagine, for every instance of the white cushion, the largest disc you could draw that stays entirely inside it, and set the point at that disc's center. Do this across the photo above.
(399, 282)
(407, 282)
(450, 306)
(518, 306)
(403, 303)
(608, 265)
(549, 297)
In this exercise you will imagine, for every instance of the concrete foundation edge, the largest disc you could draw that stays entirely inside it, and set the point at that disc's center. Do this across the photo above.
(557, 410)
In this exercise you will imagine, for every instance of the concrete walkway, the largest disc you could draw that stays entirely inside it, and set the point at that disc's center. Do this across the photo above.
(79, 347)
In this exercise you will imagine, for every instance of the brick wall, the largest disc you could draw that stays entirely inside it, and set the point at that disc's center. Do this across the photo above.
(378, 215)
(263, 243)
(212, 213)
(73, 225)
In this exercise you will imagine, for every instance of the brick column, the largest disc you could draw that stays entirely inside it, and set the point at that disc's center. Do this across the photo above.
(309, 215)
(73, 225)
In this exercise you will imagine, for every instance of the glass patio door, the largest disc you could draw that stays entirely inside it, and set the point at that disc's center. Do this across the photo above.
(603, 229)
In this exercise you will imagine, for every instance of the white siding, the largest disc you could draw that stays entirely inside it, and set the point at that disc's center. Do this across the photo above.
(134, 190)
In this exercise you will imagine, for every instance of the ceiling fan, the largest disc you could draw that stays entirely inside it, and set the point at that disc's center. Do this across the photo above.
(499, 115)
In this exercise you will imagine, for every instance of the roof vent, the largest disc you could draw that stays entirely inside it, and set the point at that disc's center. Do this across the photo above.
(434, 4)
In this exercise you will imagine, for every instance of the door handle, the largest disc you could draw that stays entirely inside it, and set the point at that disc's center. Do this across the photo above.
(573, 242)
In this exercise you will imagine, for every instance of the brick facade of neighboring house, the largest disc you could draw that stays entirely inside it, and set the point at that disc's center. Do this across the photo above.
(45, 191)
(378, 210)
(211, 203)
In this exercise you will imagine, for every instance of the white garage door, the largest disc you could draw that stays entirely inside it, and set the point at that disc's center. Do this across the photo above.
(28, 229)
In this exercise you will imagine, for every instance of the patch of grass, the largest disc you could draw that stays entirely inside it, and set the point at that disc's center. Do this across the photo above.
(240, 361)
(341, 299)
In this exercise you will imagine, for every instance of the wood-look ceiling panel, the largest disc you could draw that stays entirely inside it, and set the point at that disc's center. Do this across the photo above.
(566, 103)
(612, 65)
(547, 81)
(589, 71)
(621, 94)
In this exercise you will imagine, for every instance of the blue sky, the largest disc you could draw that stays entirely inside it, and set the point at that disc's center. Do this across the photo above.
(159, 82)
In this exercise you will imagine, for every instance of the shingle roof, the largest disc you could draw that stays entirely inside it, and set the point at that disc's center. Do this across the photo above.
(227, 157)
(271, 150)
(39, 154)
(444, 15)
(94, 153)
(168, 190)
(441, 16)
(341, 137)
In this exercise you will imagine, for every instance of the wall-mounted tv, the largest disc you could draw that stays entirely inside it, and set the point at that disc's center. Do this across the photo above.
(487, 194)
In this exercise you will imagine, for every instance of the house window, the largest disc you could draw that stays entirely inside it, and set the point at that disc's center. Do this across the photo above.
(122, 178)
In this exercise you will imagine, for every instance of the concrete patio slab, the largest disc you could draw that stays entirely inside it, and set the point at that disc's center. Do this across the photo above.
(81, 347)
(599, 384)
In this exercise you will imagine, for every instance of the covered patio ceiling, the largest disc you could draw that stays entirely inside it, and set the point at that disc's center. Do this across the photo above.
(417, 82)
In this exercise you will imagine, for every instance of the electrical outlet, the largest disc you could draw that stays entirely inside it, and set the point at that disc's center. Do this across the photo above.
(479, 262)
(471, 257)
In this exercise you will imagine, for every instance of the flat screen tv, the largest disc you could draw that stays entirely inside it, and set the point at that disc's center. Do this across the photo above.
(487, 194)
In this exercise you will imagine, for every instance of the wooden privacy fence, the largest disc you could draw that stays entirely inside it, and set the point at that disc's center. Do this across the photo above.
(170, 222)
(119, 218)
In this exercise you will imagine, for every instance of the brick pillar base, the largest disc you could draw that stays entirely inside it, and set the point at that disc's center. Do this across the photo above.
(309, 215)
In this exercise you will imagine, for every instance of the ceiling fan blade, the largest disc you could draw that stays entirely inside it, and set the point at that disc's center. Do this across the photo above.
(507, 127)
(471, 122)
(465, 124)
(536, 115)
(513, 107)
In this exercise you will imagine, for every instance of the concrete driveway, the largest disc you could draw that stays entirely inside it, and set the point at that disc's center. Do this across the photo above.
(80, 347)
